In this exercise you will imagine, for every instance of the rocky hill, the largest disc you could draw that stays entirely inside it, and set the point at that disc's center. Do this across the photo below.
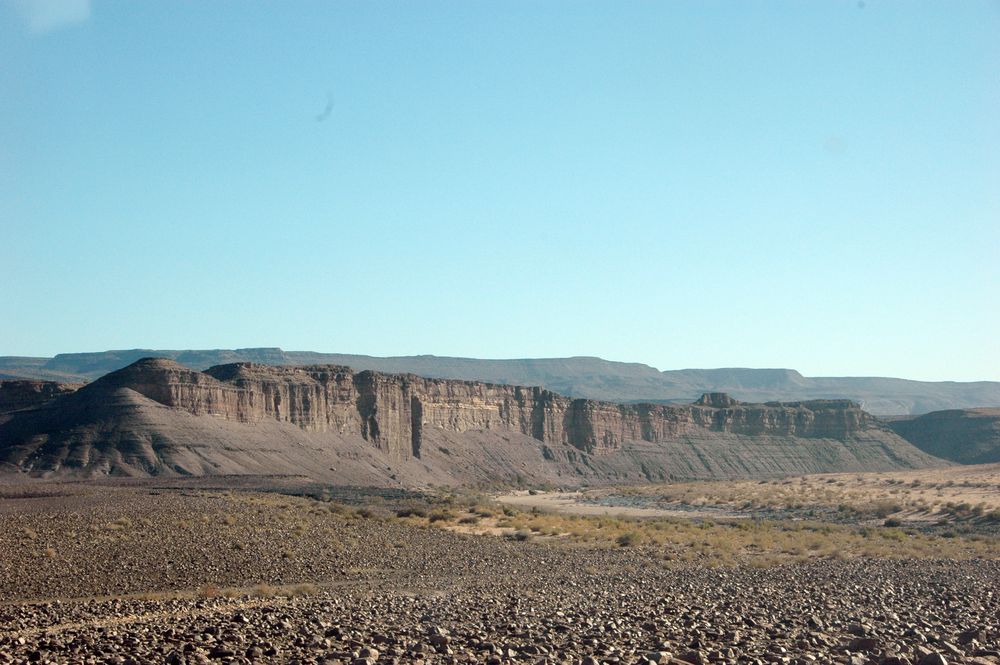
(966, 436)
(590, 378)
(157, 417)
(17, 395)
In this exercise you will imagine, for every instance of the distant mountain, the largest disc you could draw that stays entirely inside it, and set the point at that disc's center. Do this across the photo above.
(966, 436)
(591, 378)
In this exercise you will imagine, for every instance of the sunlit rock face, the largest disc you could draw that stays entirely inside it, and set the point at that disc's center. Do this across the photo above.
(157, 416)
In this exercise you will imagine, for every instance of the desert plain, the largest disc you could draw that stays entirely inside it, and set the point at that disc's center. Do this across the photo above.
(853, 568)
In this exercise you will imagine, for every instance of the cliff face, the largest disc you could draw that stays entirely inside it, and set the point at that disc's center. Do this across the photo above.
(389, 411)
(330, 423)
(394, 411)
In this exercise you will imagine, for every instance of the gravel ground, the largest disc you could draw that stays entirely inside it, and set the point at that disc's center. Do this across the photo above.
(126, 576)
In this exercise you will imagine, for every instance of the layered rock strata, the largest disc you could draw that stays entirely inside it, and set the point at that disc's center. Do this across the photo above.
(392, 410)
(326, 421)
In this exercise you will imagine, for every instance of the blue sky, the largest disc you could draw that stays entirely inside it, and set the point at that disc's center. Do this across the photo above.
(812, 185)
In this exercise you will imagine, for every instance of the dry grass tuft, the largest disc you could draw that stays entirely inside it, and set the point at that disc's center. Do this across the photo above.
(208, 591)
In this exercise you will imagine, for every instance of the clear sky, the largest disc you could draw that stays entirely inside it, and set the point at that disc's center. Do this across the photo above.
(807, 184)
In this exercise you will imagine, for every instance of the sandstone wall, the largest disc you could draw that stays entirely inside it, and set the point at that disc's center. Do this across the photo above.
(394, 412)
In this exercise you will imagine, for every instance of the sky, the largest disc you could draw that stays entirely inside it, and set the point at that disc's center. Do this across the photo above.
(812, 185)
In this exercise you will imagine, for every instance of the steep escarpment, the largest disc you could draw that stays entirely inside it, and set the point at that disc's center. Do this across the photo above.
(393, 410)
(156, 416)
(966, 436)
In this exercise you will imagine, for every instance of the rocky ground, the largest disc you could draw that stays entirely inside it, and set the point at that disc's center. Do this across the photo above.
(150, 576)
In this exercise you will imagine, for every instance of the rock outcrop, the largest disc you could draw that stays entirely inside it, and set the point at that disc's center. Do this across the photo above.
(410, 422)
(392, 410)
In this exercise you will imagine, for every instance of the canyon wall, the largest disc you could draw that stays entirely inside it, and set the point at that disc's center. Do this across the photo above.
(332, 424)
(393, 412)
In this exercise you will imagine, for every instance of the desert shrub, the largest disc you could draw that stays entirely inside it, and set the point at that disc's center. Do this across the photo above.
(123, 523)
(892, 522)
(885, 508)
(265, 591)
(629, 539)
(339, 508)
(208, 591)
(482, 510)
(521, 535)
(471, 519)
(372, 513)
(411, 512)
(441, 516)
(302, 590)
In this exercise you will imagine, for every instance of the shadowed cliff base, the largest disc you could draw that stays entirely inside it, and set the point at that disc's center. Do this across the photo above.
(329, 423)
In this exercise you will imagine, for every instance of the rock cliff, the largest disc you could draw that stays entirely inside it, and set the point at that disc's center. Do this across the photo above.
(393, 410)
(410, 420)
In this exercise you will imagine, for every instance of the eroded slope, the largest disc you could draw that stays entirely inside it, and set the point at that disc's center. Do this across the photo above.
(156, 417)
